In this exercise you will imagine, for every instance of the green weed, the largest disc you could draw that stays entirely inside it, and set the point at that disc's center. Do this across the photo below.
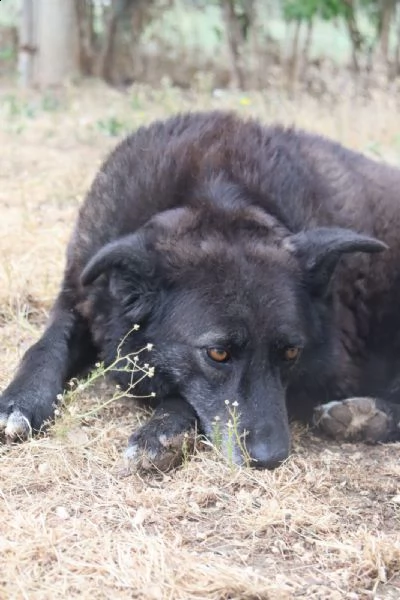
(112, 126)
(226, 437)
(128, 363)
(50, 103)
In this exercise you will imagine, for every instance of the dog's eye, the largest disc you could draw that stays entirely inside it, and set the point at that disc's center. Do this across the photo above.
(218, 354)
(291, 353)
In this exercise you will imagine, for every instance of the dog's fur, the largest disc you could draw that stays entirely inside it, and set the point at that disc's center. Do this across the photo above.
(212, 232)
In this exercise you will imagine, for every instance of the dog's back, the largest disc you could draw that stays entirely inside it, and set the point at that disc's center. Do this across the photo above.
(303, 179)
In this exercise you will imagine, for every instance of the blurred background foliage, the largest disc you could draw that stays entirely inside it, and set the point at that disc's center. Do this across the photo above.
(312, 45)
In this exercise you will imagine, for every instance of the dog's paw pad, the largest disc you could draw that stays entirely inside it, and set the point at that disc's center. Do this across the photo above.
(354, 419)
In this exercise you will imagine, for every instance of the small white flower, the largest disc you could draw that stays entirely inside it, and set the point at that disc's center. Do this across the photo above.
(153, 394)
(235, 404)
(136, 327)
(217, 418)
(81, 387)
(227, 402)
(97, 365)
(117, 387)
(149, 347)
(59, 396)
(146, 365)
(135, 358)
(151, 372)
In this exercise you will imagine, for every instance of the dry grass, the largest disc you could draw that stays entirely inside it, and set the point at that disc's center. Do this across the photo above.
(324, 526)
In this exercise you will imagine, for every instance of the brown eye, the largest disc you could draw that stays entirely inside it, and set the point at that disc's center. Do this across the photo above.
(218, 354)
(291, 353)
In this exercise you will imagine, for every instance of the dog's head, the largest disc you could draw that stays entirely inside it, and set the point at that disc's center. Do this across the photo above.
(236, 308)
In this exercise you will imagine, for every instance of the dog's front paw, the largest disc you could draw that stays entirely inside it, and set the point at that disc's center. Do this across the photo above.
(14, 425)
(354, 419)
(160, 444)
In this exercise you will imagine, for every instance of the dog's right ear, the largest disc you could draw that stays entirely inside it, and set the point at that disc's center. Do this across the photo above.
(133, 263)
(128, 253)
(130, 268)
(136, 252)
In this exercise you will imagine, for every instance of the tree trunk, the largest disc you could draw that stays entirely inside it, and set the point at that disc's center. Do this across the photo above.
(294, 59)
(306, 49)
(256, 66)
(139, 19)
(56, 34)
(123, 29)
(235, 37)
(107, 57)
(395, 71)
(49, 52)
(85, 17)
(385, 17)
(355, 37)
(28, 43)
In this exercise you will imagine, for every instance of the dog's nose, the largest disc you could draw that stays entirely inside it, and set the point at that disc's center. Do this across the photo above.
(267, 456)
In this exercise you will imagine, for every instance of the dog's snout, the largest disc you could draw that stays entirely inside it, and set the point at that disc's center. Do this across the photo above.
(264, 455)
(268, 447)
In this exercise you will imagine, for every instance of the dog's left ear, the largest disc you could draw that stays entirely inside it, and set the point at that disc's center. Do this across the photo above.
(319, 251)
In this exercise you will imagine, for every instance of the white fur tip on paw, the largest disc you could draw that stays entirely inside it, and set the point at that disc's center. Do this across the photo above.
(131, 453)
(18, 426)
(322, 410)
(3, 421)
(141, 459)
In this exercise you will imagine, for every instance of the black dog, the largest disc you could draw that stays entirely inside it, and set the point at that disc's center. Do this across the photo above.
(248, 256)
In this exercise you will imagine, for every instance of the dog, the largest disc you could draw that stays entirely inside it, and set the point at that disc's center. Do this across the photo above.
(261, 264)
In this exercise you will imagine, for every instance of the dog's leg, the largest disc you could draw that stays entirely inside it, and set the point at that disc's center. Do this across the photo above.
(63, 351)
(359, 419)
(161, 442)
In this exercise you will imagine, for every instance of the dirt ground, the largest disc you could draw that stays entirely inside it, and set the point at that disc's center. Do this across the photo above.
(323, 526)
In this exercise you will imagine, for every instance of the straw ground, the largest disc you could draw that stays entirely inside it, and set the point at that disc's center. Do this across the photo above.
(324, 526)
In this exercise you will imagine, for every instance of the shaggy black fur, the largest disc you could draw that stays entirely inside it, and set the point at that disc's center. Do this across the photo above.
(260, 244)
